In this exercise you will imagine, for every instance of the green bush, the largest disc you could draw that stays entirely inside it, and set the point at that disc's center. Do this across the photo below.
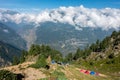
(91, 63)
(111, 56)
(7, 75)
(40, 63)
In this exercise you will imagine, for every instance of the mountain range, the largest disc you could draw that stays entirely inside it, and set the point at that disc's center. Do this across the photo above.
(10, 36)
(61, 36)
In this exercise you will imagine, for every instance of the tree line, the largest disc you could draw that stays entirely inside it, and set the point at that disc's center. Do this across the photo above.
(98, 46)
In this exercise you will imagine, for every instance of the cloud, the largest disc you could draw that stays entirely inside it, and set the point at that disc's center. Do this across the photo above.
(79, 17)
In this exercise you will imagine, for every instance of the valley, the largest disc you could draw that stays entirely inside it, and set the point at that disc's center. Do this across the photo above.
(59, 40)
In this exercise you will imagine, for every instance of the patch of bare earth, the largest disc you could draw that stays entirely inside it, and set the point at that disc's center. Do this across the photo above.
(33, 74)
(28, 72)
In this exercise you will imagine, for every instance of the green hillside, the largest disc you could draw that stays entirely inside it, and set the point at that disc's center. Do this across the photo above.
(8, 35)
(46, 63)
(7, 52)
(102, 56)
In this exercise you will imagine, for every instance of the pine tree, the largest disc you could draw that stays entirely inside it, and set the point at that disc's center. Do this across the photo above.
(15, 60)
(32, 49)
(69, 57)
(22, 58)
(77, 54)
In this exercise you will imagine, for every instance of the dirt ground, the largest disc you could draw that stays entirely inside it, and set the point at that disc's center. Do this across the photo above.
(27, 72)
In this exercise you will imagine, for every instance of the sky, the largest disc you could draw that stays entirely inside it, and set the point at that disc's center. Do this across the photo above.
(50, 4)
(104, 14)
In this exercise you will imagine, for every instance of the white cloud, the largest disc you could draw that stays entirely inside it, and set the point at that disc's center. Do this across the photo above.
(77, 16)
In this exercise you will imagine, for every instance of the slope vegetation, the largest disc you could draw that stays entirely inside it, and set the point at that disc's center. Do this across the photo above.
(7, 52)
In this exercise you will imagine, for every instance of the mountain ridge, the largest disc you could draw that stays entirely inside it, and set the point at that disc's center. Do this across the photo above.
(7, 52)
(9, 36)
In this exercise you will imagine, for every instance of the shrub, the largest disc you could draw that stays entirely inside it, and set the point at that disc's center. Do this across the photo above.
(111, 56)
(40, 63)
(91, 63)
(7, 75)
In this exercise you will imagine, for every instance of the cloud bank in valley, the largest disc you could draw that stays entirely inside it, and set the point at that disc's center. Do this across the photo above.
(106, 18)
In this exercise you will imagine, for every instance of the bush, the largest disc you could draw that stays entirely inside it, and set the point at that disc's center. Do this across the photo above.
(111, 56)
(91, 63)
(7, 75)
(40, 63)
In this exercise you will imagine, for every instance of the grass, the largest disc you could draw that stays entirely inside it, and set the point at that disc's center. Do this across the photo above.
(81, 76)
(55, 75)
(72, 72)
(111, 70)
